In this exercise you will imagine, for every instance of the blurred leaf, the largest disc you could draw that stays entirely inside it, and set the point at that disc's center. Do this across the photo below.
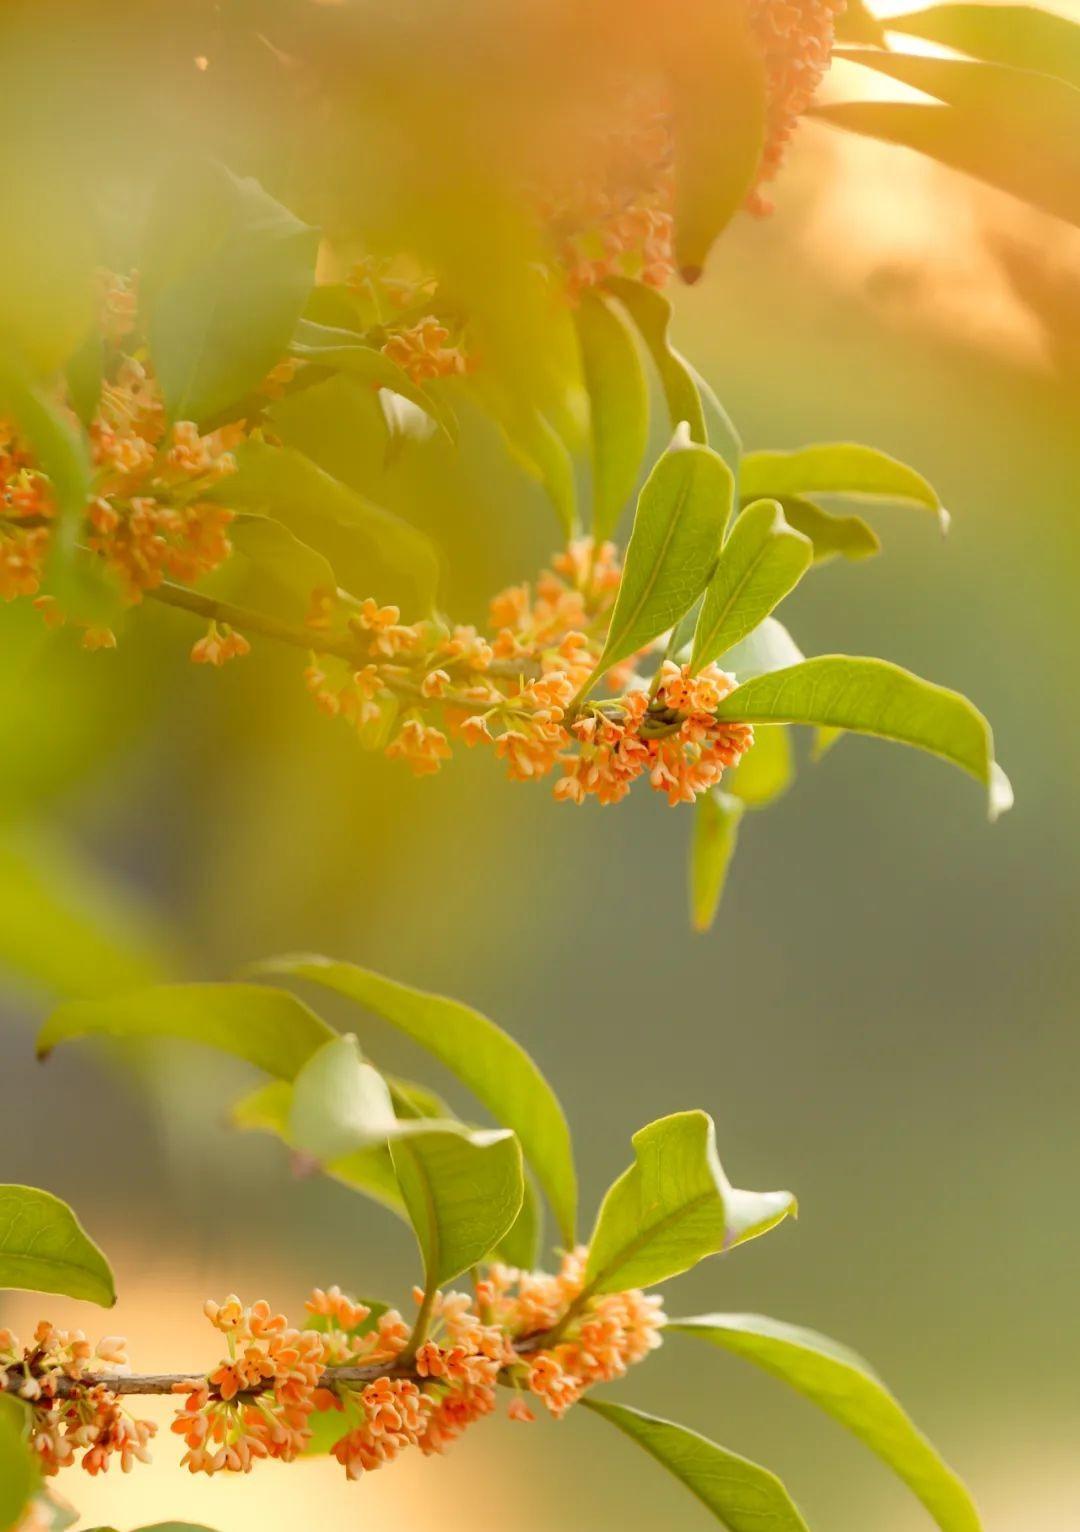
(534, 444)
(849, 536)
(278, 557)
(47, 258)
(340, 1104)
(340, 424)
(742, 1496)
(19, 1473)
(716, 829)
(224, 275)
(520, 1245)
(672, 1208)
(679, 524)
(847, 1388)
(651, 312)
(716, 77)
(769, 647)
(760, 563)
(53, 1515)
(327, 1427)
(346, 351)
(483, 1057)
(269, 1028)
(765, 771)
(1014, 128)
(44, 1248)
(463, 1192)
(836, 468)
(871, 696)
(84, 373)
(824, 740)
(64, 924)
(618, 408)
(299, 493)
(1023, 36)
(856, 23)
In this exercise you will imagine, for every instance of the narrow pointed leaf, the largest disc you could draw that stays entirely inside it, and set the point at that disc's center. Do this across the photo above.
(1021, 35)
(836, 468)
(716, 831)
(45, 1249)
(618, 408)
(765, 772)
(846, 1387)
(761, 563)
(678, 527)
(848, 537)
(494, 1067)
(868, 696)
(463, 1192)
(279, 559)
(267, 1027)
(742, 1496)
(651, 312)
(346, 351)
(673, 1207)
(856, 23)
(20, 1476)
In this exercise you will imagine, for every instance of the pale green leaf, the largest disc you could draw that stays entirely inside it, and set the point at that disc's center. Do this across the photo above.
(848, 537)
(278, 558)
(678, 527)
(868, 696)
(224, 276)
(346, 351)
(340, 1104)
(765, 771)
(618, 408)
(857, 23)
(768, 647)
(19, 1473)
(1024, 36)
(267, 1027)
(651, 312)
(716, 829)
(742, 1496)
(673, 1207)
(494, 1067)
(761, 563)
(845, 1387)
(836, 468)
(463, 1192)
(45, 1249)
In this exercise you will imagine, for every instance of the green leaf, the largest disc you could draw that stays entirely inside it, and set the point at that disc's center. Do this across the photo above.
(836, 468)
(19, 1474)
(765, 771)
(742, 1496)
(716, 76)
(1014, 128)
(296, 491)
(856, 23)
(651, 312)
(672, 1208)
(870, 696)
(1021, 35)
(348, 352)
(84, 374)
(463, 1192)
(761, 563)
(341, 425)
(176, 1526)
(494, 1067)
(847, 1388)
(340, 1104)
(678, 527)
(768, 647)
(225, 274)
(279, 558)
(271, 1029)
(44, 1248)
(716, 830)
(850, 537)
(618, 408)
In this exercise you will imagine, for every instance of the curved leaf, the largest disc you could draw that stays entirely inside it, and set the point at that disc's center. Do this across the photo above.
(716, 831)
(347, 351)
(1021, 35)
(45, 1249)
(19, 1473)
(836, 468)
(742, 1496)
(769, 647)
(765, 772)
(463, 1192)
(278, 557)
(870, 696)
(618, 408)
(267, 1027)
(494, 1067)
(340, 1104)
(672, 1208)
(651, 313)
(850, 537)
(761, 563)
(848, 1389)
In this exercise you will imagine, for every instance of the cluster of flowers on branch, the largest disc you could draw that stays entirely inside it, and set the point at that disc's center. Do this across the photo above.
(394, 1386)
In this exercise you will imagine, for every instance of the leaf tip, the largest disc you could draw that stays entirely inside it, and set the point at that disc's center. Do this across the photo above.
(1001, 796)
(691, 273)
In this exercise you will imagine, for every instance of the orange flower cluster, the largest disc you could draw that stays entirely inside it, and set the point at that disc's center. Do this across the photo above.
(64, 1421)
(796, 38)
(514, 690)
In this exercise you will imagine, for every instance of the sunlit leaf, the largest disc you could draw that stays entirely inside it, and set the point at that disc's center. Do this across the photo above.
(340, 1103)
(267, 1027)
(870, 696)
(45, 1249)
(224, 276)
(651, 312)
(850, 537)
(494, 1067)
(1024, 36)
(681, 514)
(618, 408)
(857, 23)
(346, 351)
(847, 1388)
(463, 1192)
(769, 647)
(673, 1207)
(836, 468)
(742, 1496)
(716, 829)
(19, 1473)
(760, 563)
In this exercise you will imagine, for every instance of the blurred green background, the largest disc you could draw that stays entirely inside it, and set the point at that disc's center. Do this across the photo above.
(883, 1018)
